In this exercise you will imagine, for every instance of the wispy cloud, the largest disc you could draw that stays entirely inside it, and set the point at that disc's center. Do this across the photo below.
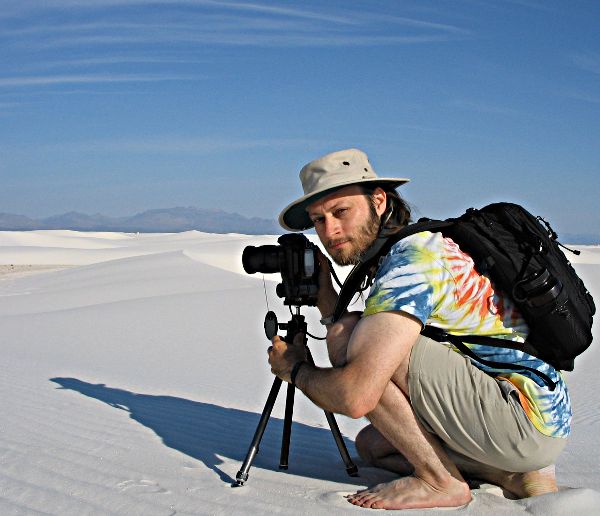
(411, 129)
(282, 36)
(86, 79)
(86, 90)
(584, 97)
(415, 23)
(533, 4)
(587, 62)
(482, 107)
(264, 8)
(224, 23)
(85, 42)
(171, 144)
(7, 108)
(27, 6)
(115, 60)
(202, 36)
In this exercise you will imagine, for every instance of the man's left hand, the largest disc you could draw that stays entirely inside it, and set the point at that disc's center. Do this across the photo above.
(283, 356)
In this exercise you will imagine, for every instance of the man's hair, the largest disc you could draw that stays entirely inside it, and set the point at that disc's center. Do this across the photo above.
(397, 211)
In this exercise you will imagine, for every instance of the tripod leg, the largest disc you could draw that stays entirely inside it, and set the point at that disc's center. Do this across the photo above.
(351, 468)
(287, 427)
(242, 474)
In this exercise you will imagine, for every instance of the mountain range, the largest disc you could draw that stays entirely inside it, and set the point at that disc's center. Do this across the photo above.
(169, 220)
(174, 220)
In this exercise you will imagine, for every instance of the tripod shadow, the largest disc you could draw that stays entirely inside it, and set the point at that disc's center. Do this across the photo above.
(207, 432)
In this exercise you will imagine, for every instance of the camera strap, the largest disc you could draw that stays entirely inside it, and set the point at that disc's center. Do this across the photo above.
(361, 276)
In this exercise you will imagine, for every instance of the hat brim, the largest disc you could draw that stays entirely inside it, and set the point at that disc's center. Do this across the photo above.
(294, 217)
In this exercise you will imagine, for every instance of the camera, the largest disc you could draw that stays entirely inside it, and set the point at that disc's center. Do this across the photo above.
(296, 258)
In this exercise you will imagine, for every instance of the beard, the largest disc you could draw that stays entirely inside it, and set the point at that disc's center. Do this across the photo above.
(359, 242)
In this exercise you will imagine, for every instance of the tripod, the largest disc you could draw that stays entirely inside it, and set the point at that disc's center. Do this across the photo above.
(296, 325)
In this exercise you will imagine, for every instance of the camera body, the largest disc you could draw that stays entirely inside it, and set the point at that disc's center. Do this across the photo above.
(296, 258)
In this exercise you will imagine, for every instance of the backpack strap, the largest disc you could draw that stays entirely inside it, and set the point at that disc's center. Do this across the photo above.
(458, 341)
(380, 248)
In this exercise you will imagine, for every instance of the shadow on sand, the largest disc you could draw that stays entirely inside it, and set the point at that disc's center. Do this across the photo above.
(206, 432)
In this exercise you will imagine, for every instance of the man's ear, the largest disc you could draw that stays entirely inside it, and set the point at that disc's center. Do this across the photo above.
(379, 200)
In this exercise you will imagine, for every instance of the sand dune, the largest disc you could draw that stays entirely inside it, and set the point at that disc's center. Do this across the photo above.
(133, 380)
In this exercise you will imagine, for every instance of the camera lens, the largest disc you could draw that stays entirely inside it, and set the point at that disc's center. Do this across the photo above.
(263, 259)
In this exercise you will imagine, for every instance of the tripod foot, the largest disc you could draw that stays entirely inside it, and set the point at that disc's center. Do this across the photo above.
(352, 470)
(240, 478)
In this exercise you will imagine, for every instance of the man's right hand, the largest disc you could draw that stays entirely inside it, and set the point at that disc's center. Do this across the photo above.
(327, 295)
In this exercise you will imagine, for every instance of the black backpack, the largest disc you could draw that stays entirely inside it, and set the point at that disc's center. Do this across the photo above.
(520, 254)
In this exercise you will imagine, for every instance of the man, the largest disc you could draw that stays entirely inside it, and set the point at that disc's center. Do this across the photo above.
(435, 415)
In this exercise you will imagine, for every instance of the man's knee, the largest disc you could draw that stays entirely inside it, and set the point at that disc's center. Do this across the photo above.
(364, 443)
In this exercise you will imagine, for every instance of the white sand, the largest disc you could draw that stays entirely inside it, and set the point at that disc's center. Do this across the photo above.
(132, 383)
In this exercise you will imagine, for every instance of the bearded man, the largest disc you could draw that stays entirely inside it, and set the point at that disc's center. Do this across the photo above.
(435, 415)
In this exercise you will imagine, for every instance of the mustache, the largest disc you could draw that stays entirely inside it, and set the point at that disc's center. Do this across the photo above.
(332, 243)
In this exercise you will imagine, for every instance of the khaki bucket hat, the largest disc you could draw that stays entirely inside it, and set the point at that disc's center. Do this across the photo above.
(327, 174)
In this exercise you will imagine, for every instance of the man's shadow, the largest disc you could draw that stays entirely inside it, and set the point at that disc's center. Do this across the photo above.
(207, 432)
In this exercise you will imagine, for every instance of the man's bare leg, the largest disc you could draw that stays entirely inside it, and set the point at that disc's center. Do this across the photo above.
(376, 450)
(436, 481)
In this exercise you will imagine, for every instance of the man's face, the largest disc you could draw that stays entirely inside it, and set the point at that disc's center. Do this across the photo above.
(347, 222)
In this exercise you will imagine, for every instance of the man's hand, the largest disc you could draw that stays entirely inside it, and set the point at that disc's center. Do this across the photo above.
(327, 296)
(283, 356)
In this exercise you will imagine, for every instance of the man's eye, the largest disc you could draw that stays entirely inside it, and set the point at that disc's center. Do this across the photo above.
(318, 220)
(340, 212)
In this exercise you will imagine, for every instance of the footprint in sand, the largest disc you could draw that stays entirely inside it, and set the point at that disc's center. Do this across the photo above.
(338, 499)
(142, 487)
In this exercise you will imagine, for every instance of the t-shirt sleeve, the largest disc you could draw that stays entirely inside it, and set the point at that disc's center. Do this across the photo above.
(407, 280)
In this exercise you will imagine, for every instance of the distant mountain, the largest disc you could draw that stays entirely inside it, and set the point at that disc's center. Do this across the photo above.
(77, 221)
(15, 222)
(169, 220)
(175, 220)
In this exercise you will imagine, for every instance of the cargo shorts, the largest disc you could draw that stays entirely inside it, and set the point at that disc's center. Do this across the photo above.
(474, 414)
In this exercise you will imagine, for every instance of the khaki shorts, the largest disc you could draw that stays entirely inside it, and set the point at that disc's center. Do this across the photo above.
(472, 413)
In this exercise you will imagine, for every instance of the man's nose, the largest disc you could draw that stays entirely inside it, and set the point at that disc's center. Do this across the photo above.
(331, 227)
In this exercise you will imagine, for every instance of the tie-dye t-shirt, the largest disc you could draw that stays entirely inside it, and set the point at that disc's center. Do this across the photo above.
(430, 278)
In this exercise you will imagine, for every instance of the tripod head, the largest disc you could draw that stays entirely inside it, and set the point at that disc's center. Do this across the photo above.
(295, 325)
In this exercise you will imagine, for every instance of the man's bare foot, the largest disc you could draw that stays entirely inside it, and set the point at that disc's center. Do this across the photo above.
(521, 485)
(532, 483)
(412, 493)
(376, 450)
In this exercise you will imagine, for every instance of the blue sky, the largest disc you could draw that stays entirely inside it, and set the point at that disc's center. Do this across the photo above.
(117, 106)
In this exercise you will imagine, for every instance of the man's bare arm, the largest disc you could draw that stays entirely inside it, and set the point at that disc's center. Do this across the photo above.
(379, 344)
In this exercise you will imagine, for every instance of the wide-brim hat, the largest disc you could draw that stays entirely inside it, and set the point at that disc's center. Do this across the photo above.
(324, 175)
